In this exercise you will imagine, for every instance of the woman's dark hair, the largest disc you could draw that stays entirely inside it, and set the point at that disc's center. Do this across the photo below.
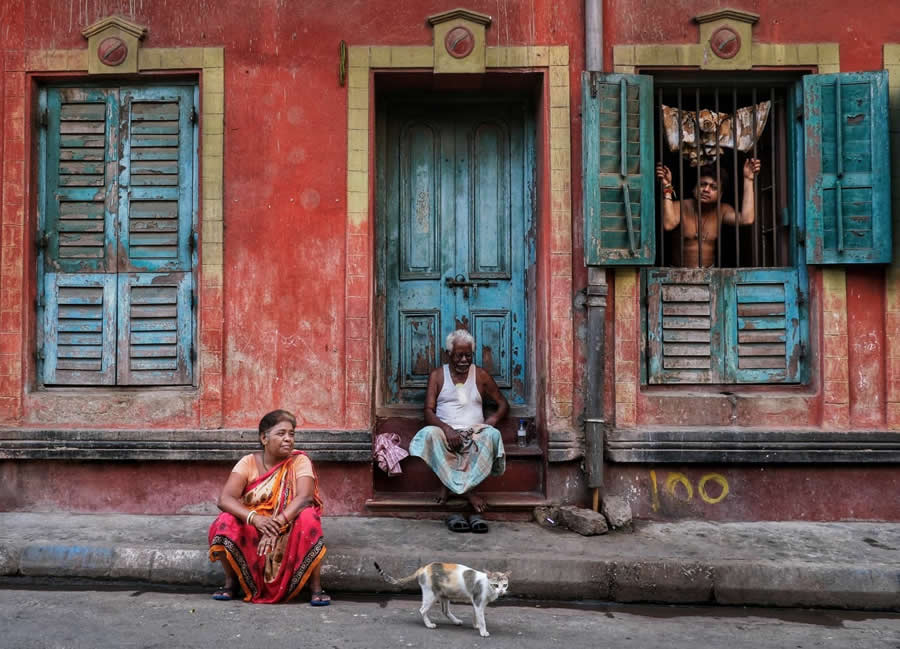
(272, 419)
(710, 170)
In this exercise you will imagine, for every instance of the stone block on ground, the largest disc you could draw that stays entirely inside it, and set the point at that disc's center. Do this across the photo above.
(586, 522)
(547, 516)
(617, 512)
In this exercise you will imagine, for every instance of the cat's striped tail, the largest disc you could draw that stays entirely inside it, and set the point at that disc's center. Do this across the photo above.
(397, 582)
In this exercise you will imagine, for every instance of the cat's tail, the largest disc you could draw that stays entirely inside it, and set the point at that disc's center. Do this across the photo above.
(392, 580)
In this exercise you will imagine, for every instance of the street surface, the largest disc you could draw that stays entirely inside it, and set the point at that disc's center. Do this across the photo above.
(91, 619)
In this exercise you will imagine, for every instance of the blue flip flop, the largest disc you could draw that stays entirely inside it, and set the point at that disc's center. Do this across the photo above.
(317, 598)
(223, 594)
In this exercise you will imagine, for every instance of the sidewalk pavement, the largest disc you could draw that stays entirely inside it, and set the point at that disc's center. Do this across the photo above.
(841, 565)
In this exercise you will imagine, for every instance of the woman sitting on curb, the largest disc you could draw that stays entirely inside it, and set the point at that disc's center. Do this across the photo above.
(269, 534)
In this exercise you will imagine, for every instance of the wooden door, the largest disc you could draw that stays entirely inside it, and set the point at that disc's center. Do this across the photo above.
(457, 187)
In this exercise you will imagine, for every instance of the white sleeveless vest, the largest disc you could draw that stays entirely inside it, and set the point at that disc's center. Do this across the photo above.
(459, 406)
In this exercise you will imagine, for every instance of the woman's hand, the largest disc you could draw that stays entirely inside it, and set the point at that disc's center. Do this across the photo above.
(266, 544)
(266, 525)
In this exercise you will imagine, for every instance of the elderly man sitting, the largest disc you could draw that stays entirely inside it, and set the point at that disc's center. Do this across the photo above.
(458, 443)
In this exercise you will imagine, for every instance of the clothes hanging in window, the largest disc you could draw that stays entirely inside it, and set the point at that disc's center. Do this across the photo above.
(698, 142)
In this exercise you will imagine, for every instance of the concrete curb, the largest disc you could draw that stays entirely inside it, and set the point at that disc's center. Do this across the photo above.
(756, 583)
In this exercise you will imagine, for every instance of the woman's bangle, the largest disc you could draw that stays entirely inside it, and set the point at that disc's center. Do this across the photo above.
(250, 515)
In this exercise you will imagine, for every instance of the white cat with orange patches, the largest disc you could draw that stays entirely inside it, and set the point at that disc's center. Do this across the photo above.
(454, 581)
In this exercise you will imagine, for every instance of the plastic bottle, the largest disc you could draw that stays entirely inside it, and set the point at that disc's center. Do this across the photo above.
(522, 434)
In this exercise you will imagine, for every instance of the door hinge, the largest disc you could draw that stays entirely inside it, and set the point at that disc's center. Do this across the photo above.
(193, 115)
(193, 301)
(192, 240)
(43, 119)
(801, 237)
(798, 114)
(802, 350)
(193, 353)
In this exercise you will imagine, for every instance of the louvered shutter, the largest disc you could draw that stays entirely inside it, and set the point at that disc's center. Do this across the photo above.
(80, 196)
(848, 205)
(154, 329)
(79, 329)
(156, 179)
(617, 149)
(684, 331)
(762, 326)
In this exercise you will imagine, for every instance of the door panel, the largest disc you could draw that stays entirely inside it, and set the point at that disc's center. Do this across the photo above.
(457, 208)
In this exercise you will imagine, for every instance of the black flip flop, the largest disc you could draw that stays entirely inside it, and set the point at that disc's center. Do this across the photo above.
(477, 524)
(458, 523)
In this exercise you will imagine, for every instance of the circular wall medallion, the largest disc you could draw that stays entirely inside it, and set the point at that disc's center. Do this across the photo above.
(112, 51)
(459, 42)
(725, 43)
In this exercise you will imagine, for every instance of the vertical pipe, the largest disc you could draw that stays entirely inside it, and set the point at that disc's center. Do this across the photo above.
(597, 290)
(737, 227)
(839, 136)
(681, 258)
(593, 35)
(699, 214)
(719, 185)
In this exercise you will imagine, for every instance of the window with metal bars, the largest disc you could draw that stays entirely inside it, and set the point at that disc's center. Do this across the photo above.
(822, 196)
(716, 132)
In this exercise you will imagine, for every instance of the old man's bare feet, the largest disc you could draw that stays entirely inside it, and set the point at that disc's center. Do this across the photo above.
(477, 502)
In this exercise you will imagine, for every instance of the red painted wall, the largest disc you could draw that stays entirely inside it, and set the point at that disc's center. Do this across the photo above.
(285, 170)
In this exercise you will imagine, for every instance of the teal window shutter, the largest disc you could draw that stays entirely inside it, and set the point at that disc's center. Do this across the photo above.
(154, 328)
(156, 179)
(79, 329)
(617, 149)
(763, 326)
(848, 204)
(82, 156)
(117, 232)
(684, 326)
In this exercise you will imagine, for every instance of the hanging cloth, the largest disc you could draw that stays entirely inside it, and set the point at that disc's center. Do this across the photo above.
(698, 133)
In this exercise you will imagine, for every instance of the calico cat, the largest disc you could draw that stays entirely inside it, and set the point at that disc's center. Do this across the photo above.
(454, 581)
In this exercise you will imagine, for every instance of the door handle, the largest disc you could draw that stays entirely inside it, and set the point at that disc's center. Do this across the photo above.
(460, 281)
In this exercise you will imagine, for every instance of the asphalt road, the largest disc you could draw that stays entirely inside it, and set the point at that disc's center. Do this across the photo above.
(33, 618)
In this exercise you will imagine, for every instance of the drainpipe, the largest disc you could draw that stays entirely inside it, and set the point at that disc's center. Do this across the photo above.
(597, 290)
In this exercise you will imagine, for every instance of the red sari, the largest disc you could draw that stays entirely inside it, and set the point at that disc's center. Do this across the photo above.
(279, 575)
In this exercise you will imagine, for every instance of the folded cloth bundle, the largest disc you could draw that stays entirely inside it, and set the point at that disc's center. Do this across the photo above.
(388, 452)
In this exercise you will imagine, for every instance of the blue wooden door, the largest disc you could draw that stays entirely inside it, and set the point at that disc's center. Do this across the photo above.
(456, 205)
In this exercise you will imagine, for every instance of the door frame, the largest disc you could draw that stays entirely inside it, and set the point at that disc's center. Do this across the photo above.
(552, 308)
(438, 101)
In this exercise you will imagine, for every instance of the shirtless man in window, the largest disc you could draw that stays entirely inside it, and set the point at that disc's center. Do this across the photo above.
(706, 193)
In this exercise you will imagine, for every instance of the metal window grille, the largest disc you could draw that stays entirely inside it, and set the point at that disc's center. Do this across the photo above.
(767, 241)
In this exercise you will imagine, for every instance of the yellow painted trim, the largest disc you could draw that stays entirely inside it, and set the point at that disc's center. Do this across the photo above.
(362, 59)
(825, 56)
(892, 283)
(626, 366)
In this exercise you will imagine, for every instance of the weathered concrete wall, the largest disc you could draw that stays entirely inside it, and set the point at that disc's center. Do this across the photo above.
(154, 487)
(763, 493)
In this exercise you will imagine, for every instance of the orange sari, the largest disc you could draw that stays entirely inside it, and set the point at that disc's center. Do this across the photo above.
(282, 573)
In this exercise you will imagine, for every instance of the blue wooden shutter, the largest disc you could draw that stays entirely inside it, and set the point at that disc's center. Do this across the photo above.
(762, 324)
(684, 328)
(82, 154)
(156, 181)
(617, 141)
(848, 205)
(79, 329)
(154, 328)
